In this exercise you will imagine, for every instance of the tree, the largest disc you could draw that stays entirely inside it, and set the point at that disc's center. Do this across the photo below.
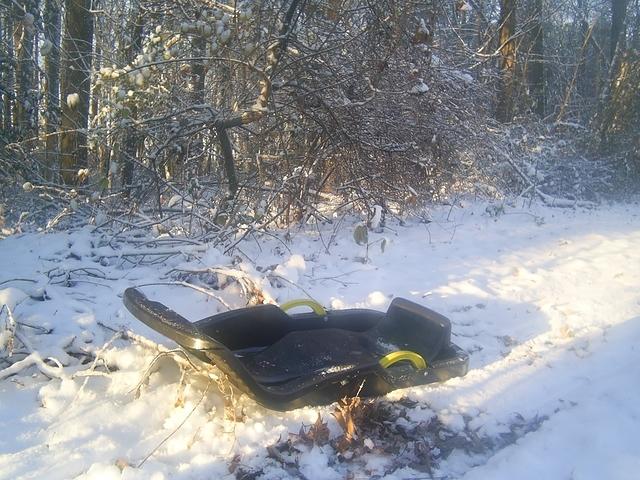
(618, 16)
(7, 73)
(583, 35)
(621, 118)
(51, 53)
(77, 49)
(222, 125)
(536, 60)
(286, 99)
(132, 137)
(505, 107)
(24, 42)
(618, 116)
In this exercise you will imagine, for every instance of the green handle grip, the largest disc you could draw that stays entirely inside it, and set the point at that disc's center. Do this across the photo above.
(394, 357)
(304, 302)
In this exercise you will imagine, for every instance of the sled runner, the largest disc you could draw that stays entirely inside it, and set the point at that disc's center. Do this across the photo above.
(285, 361)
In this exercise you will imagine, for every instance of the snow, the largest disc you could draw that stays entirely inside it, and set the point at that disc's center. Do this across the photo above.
(292, 268)
(10, 297)
(315, 465)
(545, 300)
(377, 299)
(377, 217)
(73, 100)
(419, 88)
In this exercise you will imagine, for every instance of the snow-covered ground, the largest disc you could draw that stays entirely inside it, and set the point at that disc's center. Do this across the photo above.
(546, 301)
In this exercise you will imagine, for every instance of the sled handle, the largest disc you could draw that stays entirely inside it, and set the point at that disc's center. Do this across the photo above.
(394, 357)
(163, 320)
(304, 302)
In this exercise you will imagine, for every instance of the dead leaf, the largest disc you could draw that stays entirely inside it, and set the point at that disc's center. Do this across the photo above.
(348, 413)
(121, 463)
(319, 432)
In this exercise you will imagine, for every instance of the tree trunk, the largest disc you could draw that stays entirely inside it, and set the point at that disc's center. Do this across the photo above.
(618, 16)
(483, 28)
(52, 20)
(75, 87)
(635, 36)
(195, 152)
(7, 73)
(536, 60)
(24, 42)
(223, 124)
(576, 72)
(3, 75)
(584, 84)
(620, 118)
(132, 137)
(504, 110)
(227, 159)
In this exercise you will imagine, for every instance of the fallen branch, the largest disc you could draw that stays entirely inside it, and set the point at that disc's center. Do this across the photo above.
(89, 372)
(34, 358)
(18, 280)
(194, 287)
(547, 199)
(250, 289)
(149, 370)
(11, 326)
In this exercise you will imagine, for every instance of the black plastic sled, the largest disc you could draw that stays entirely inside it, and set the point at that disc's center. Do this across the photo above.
(286, 361)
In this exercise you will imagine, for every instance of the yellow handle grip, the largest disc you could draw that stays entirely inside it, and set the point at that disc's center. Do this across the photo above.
(394, 357)
(304, 302)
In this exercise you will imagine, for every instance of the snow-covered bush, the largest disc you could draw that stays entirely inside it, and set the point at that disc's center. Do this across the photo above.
(364, 110)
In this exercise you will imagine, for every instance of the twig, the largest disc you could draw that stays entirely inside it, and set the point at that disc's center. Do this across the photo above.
(162, 354)
(18, 280)
(194, 287)
(149, 345)
(280, 277)
(89, 371)
(290, 467)
(11, 328)
(335, 277)
(39, 328)
(33, 358)
(250, 288)
(186, 250)
(204, 393)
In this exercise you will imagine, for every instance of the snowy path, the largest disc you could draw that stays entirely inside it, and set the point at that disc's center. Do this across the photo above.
(547, 302)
